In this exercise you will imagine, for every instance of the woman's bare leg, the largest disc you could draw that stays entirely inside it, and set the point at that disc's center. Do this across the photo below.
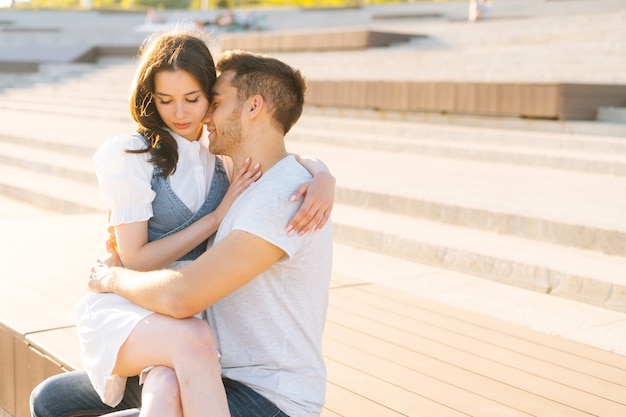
(187, 346)
(160, 395)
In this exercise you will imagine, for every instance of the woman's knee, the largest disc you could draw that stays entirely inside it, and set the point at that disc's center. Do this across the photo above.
(161, 376)
(196, 336)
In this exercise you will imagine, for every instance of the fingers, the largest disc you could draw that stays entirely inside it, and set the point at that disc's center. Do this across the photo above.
(309, 217)
(247, 175)
(111, 246)
(243, 168)
(299, 192)
(99, 275)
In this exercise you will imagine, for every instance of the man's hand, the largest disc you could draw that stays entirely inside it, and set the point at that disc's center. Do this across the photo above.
(101, 272)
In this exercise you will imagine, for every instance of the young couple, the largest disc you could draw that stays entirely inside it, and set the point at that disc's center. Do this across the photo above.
(234, 330)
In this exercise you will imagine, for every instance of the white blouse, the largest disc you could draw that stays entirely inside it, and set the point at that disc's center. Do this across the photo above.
(124, 178)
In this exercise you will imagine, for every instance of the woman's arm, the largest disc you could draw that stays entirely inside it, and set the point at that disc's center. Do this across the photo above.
(137, 253)
(319, 196)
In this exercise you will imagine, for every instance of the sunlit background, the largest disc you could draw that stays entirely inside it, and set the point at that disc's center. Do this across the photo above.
(177, 4)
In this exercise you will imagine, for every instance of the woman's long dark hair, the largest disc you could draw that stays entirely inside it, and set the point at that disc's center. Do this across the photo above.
(175, 50)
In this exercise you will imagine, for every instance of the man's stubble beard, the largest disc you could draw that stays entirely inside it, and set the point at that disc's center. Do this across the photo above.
(229, 137)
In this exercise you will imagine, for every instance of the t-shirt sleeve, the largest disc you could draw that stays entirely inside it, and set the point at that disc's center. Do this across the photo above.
(267, 215)
(125, 179)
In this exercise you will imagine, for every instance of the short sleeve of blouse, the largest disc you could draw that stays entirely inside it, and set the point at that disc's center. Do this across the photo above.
(124, 179)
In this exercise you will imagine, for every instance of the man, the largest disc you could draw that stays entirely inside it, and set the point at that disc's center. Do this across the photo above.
(265, 291)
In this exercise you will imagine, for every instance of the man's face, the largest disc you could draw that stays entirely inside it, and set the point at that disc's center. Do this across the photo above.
(223, 119)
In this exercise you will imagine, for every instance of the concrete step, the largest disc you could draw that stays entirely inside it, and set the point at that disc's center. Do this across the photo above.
(419, 202)
(599, 239)
(581, 153)
(75, 167)
(107, 92)
(64, 129)
(52, 175)
(71, 162)
(95, 79)
(570, 208)
(48, 191)
(515, 135)
(606, 157)
(43, 143)
(581, 275)
(80, 106)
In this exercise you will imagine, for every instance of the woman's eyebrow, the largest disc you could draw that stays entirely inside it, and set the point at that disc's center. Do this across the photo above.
(185, 94)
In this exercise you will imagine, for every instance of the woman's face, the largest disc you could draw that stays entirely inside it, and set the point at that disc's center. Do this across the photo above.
(181, 103)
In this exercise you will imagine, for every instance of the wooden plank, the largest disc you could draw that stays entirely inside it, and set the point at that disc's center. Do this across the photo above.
(444, 96)
(396, 96)
(31, 367)
(328, 413)
(343, 402)
(320, 40)
(475, 355)
(374, 96)
(389, 396)
(498, 347)
(487, 100)
(579, 350)
(416, 96)
(436, 367)
(466, 98)
(61, 345)
(540, 100)
(510, 99)
(405, 378)
(7, 371)
(596, 373)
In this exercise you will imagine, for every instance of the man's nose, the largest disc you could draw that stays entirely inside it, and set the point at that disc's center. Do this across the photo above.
(208, 116)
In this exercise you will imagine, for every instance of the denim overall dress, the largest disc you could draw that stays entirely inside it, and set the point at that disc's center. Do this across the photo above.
(170, 214)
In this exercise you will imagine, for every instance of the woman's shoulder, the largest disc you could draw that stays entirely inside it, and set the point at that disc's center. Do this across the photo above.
(113, 154)
(125, 142)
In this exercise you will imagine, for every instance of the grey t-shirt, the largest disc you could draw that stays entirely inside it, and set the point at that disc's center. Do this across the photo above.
(269, 332)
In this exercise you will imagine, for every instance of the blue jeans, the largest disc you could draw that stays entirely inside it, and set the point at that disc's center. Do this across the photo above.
(71, 395)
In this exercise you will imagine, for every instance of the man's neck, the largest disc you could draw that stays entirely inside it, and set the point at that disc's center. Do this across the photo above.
(266, 156)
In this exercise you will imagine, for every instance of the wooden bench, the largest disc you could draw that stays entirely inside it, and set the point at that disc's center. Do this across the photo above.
(311, 40)
(389, 353)
(554, 101)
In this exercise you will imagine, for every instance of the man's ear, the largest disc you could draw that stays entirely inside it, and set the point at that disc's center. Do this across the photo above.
(256, 104)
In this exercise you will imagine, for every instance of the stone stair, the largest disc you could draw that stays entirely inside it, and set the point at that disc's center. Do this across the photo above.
(531, 208)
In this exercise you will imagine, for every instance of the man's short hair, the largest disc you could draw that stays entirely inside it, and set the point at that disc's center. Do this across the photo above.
(281, 86)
